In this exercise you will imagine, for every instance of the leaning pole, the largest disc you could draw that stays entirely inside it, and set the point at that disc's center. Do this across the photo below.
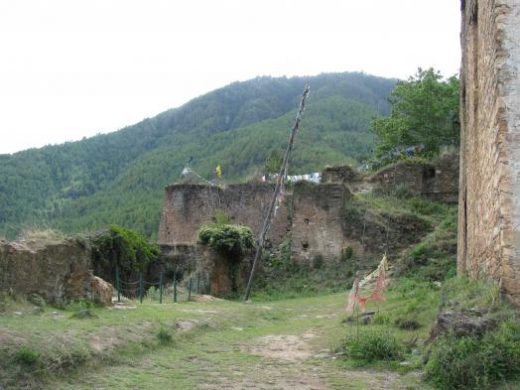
(279, 182)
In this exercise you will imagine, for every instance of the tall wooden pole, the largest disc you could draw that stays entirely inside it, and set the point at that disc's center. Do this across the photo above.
(279, 182)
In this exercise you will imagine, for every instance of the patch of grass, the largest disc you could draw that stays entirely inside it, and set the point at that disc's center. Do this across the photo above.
(407, 323)
(26, 356)
(369, 345)
(434, 258)
(481, 360)
(463, 293)
(476, 363)
(84, 314)
(164, 336)
(297, 281)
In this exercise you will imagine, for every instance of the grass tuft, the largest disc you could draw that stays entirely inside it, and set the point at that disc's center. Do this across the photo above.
(373, 344)
(26, 356)
(164, 336)
(473, 362)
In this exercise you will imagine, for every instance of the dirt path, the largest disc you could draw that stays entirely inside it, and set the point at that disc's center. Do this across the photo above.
(285, 345)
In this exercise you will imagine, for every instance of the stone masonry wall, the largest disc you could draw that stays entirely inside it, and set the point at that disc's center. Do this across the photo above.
(489, 198)
(317, 221)
(188, 206)
(59, 271)
(438, 180)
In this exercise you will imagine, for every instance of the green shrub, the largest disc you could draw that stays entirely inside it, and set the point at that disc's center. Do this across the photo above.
(227, 239)
(125, 248)
(26, 356)
(164, 336)
(372, 344)
(475, 362)
(407, 324)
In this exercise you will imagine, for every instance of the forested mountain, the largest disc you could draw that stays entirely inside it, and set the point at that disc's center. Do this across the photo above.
(119, 177)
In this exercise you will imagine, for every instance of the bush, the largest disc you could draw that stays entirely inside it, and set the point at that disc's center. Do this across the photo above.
(227, 239)
(164, 336)
(26, 356)
(124, 248)
(371, 345)
(475, 362)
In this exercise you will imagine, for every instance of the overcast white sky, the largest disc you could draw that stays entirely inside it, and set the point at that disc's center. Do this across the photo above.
(74, 68)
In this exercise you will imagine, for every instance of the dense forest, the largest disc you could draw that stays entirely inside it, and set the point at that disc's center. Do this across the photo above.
(119, 177)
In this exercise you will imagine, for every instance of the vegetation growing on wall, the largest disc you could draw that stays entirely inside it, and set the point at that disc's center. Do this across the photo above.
(230, 240)
(123, 248)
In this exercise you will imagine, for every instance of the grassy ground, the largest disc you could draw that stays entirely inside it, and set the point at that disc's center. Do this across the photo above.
(297, 343)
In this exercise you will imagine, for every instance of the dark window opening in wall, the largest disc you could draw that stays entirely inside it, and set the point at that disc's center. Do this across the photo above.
(429, 173)
(305, 245)
(306, 220)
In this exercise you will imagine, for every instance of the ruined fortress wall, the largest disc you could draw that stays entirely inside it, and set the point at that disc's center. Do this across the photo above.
(438, 180)
(58, 271)
(188, 206)
(489, 199)
(317, 221)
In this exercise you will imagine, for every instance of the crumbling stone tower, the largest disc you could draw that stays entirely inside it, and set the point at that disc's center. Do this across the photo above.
(489, 199)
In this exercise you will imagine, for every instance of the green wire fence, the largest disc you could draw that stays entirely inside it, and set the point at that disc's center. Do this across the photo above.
(161, 291)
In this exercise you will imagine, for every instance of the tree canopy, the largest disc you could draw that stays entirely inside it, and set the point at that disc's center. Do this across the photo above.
(424, 115)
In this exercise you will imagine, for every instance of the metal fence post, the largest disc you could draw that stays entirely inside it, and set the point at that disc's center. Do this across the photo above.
(198, 283)
(175, 286)
(160, 287)
(141, 287)
(118, 285)
(189, 289)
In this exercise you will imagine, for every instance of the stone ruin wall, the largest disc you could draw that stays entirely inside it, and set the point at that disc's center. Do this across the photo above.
(489, 199)
(317, 222)
(312, 214)
(58, 271)
(187, 207)
(437, 181)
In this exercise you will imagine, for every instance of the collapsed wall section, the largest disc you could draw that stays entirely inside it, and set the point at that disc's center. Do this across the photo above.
(59, 271)
(489, 199)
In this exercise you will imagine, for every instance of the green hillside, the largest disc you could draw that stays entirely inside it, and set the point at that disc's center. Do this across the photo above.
(119, 177)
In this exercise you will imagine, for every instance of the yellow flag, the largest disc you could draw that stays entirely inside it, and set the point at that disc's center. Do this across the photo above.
(218, 171)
